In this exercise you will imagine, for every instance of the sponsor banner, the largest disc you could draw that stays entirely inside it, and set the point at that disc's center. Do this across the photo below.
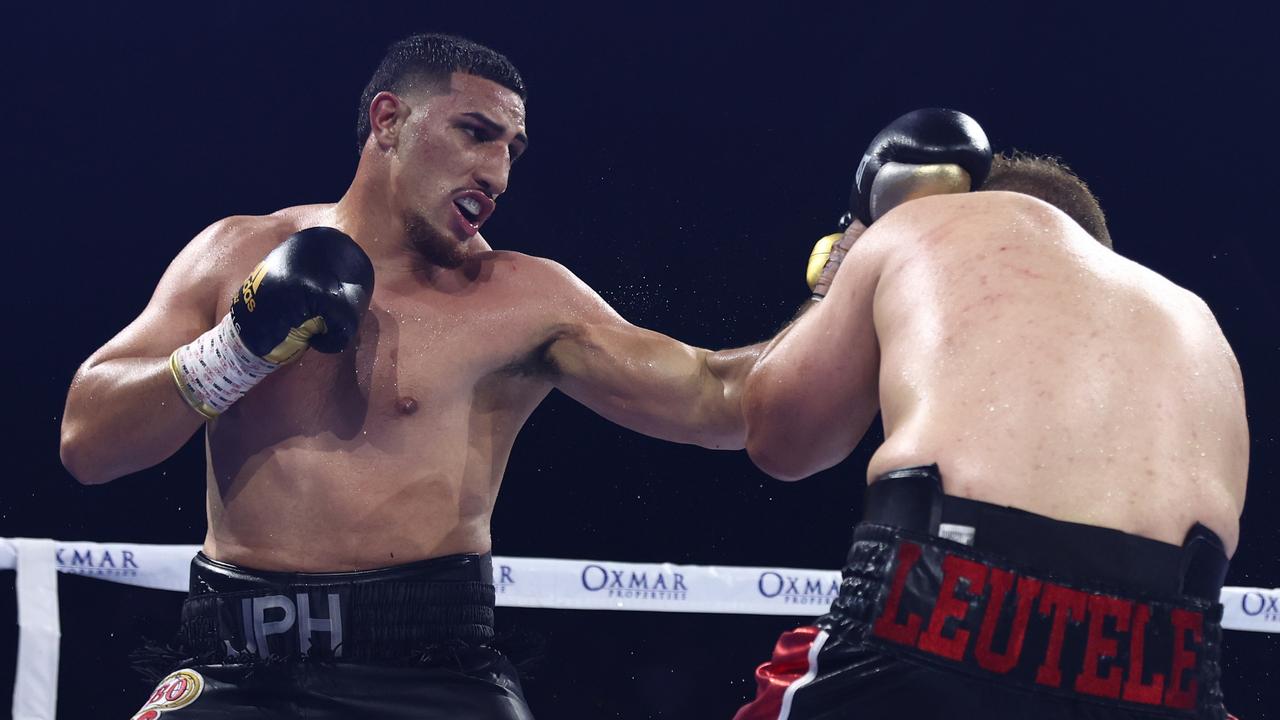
(160, 567)
(595, 584)
(1246, 608)
(662, 587)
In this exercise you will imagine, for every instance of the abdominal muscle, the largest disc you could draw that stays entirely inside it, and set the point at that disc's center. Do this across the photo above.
(322, 469)
(1055, 377)
(307, 509)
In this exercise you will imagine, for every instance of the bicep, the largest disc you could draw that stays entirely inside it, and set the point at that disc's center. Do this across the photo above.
(182, 306)
(638, 378)
(627, 374)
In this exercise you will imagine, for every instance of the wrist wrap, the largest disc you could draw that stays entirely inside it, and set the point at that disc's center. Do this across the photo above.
(216, 369)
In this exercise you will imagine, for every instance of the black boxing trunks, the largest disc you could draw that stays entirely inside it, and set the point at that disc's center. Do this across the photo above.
(410, 641)
(953, 608)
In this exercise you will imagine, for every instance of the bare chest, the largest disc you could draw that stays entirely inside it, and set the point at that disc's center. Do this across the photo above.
(415, 361)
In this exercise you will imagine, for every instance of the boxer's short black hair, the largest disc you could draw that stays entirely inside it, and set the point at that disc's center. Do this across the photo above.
(1048, 179)
(428, 60)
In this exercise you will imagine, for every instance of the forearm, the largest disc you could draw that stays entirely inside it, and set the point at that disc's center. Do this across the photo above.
(805, 307)
(773, 390)
(122, 416)
(653, 384)
(779, 407)
(813, 393)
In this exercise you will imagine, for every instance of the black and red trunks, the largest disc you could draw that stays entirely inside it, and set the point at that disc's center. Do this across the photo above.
(956, 608)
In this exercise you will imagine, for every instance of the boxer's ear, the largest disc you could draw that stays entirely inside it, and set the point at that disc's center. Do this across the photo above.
(387, 115)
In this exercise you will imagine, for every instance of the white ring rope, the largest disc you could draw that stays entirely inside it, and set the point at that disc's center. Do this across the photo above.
(519, 581)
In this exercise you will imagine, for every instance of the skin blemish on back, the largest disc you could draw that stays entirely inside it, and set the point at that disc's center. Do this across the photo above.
(406, 405)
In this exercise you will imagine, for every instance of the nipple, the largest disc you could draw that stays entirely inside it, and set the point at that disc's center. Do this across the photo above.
(406, 405)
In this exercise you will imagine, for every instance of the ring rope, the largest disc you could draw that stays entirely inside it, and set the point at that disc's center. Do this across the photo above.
(518, 581)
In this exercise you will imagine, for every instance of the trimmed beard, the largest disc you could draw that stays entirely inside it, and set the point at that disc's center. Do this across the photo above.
(431, 245)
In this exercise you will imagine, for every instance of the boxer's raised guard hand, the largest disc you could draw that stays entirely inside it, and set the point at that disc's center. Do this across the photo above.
(310, 291)
(925, 152)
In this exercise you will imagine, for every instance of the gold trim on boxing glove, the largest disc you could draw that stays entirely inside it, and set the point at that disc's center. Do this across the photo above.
(185, 390)
(249, 290)
(897, 183)
(818, 258)
(296, 341)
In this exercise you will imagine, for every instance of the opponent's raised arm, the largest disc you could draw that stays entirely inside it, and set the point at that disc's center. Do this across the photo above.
(644, 380)
(812, 395)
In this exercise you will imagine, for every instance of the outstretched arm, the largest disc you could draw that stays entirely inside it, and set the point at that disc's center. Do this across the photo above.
(644, 380)
(815, 391)
(653, 384)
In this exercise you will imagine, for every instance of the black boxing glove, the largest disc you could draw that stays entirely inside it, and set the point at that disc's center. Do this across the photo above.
(311, 290)
(925, 152)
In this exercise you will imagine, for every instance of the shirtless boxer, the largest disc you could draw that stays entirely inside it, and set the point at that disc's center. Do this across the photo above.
(1049, 518)
(350, 485)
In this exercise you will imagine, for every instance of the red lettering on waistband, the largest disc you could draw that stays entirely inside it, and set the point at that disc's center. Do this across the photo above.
(941, 602)
(1065, 604)
(1135, 690)
(1098, 646)
(1027, 592)
(949, 606)
(887, 626)
(1184, 658)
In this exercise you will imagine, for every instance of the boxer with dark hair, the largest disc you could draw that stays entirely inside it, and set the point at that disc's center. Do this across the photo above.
(346, 569)
(1048, 520)
(427, 63)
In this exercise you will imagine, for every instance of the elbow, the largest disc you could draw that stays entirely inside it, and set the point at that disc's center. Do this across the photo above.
(764, 441)
(777, 442)
(777, 465)
(75, 456)
(775, 457)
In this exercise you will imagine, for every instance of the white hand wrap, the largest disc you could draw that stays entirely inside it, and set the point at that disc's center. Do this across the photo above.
(216, 369)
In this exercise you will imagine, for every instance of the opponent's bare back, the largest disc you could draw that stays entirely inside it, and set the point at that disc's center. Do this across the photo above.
(1039, 369)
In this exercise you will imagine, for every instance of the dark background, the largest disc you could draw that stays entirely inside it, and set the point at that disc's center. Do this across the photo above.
(682, 161)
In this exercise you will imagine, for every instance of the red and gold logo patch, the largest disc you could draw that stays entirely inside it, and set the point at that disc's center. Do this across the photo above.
(179, 689)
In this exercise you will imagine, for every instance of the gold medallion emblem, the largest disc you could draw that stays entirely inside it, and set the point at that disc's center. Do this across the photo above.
(179, 689)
